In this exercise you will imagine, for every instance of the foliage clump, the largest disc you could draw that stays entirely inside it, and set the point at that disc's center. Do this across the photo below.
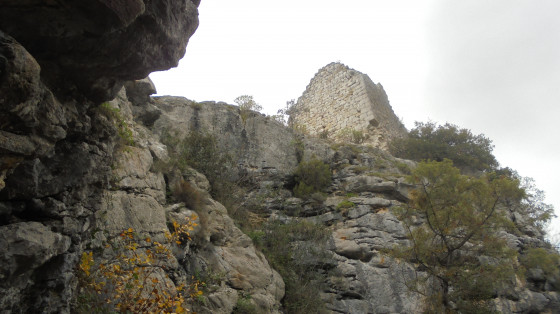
(548, 261)
(283, 114)
(345, 205)
(284, 248)
(533, 206)
(124, 132)
(200, 150)
(312, 176)
(428, 141)
(245, 306)
(458, 246)
(133, 281)
(352, 135)
(247, 104)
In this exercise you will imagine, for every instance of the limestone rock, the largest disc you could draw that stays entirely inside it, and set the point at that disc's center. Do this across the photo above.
(366, 288)
(26, 246)
(369, 184)
(120, 211)
(374, 202)
(138, 92)
(245, 269)
(258, 143)
(96, 45)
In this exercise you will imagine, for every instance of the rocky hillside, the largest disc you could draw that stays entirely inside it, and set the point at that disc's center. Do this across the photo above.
(355, 215)
(165, 203)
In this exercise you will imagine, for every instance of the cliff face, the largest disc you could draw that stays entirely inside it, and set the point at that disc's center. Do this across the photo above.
(58, 60)
(94, 46)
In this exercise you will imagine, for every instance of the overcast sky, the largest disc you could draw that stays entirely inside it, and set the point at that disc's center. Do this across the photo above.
(490, 66)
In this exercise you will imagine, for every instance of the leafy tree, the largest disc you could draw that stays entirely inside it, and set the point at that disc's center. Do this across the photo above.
(533, 209)
(453, 224)
(247, 104)
(287, 111)
(428, 141)
(541, 258)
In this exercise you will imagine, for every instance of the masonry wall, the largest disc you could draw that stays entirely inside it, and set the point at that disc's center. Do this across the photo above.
(339, 101)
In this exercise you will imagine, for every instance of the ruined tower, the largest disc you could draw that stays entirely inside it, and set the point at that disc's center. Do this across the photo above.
(343, 104)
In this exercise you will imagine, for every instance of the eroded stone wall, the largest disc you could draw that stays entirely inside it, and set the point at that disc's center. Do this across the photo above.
(341, 103)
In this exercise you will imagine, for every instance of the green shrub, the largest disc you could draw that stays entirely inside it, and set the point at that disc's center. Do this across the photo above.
(287, 111)
(200, 151)
(403, 168)
(346, 204)
(360, 169)
(303, 281)
(245, 306)
(358, 137)
(543, 259)
(257, 236)
(299, 147)
(428, 141)
(246, 105)
(303, 190)
(318, 197)
(114, 114)
(196, 105)
(312, 176)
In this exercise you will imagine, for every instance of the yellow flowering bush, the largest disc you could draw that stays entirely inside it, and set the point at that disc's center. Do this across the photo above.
(135, 281)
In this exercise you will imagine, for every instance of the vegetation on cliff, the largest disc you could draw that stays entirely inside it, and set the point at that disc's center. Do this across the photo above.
(247, 104)
(458, 244)
(312, 176)
(428, 141)
(199, 150)
(133, 280)
(457, 223)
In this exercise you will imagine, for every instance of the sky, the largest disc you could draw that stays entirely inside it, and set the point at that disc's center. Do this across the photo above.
(489, 66)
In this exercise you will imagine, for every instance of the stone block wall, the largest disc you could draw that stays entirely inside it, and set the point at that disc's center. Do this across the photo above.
(341, 103)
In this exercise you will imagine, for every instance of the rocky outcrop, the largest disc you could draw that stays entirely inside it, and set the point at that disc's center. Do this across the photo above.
(357, 274)
(96, 45)
(137, 200)
(58, 61)
(27, 247)
(255, 140)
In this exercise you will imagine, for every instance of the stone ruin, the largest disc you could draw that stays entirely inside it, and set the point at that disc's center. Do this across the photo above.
(345, 105)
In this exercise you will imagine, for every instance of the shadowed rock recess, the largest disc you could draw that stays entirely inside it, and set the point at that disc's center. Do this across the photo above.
(86, 153)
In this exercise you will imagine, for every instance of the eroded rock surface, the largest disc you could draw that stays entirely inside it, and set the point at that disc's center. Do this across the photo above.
(58, 61)
(255, 140)
(96, 45)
